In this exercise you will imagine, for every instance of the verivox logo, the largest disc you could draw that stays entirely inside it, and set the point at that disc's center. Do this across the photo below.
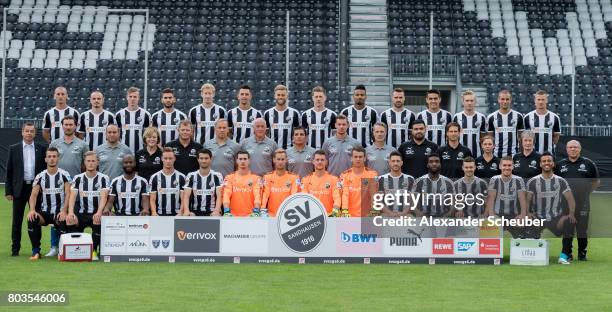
(357, 238)
(489, 246)
(442, 246)
(196, 235)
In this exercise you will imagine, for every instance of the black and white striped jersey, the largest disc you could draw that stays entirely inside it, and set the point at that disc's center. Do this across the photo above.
(93, 126)
(167, 124)
(318, 125)
(471, 126)
(389, 184)
(204, 121)
(89, 190)
(361, 122)
(505, 128)
(547, 201)
(431, 190)
(507, 195)
(52, 120)
(132, 125)
(436, 125)
(543, 126)
(474, 187)
(129, 194)
(168, 189)
(398, 125)
(52, 190)
(241, 122)
(281, 125)
(203, 190)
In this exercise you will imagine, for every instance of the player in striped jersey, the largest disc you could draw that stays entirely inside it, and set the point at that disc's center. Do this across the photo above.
(395, 182)
(545, 124)
(240, 119)
(166, 120)
(202, 190)
(473, 124)
(548, 195)
(51, 185)
(92, 123)
(242, 190)
(470, 185)
(323, 185)
(505, 125)
(361, 117)
(52, 120)
(91, 187)
(435, 118)
(278, 184)
(132, 121)
(318, 120)
(129, 192)
(433, 186)
(204, 116)
(398, 120)
(506, 197)
(166, 187)
(358, 186)
(281, 119)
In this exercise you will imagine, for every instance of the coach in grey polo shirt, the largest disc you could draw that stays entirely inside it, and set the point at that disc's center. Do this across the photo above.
(260, 148)
(299, 156)
(339, 147)
(111, 153)
(223, 148)
(72, 149)
(377, 154)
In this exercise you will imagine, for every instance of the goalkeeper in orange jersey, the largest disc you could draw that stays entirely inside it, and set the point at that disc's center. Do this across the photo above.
(278, 184)
(358, 186)
(241, 190)
(323, 185)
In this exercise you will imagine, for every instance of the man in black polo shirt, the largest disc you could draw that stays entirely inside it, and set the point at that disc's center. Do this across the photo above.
(452, 154)
(527, 161)
(185, 149)
(583, 177)
(415, 152)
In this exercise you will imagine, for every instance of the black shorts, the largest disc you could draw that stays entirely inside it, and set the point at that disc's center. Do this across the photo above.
(201, 213)
(48, 219)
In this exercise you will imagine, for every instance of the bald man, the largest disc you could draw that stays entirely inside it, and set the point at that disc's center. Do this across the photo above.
(260, 148)
(93, 123)
(582, 176)
(52, 120)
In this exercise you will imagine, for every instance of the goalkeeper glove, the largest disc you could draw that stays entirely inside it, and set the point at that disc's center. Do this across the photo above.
(255, 212)
(335, 213)
(345, 213)
(264, 212)
(227, 212)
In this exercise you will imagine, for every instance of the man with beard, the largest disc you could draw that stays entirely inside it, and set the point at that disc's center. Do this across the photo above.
(433, 183)
(166, 120)
(72, 149)
(202, 190)
(435, 118)
(281, 118)
(129, 193)
(240, 119)
(338, 148)
(393, 182)
(361, 117)
(470, 184)
(398, 119)
(415, 152)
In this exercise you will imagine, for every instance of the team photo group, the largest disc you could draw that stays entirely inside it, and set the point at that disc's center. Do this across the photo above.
(240, 162)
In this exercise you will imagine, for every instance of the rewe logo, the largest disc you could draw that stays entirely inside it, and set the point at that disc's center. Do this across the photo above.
(357, 238)
(182, 235)
(442, 246)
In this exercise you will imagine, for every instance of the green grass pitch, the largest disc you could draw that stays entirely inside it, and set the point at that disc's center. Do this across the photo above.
(581, 286)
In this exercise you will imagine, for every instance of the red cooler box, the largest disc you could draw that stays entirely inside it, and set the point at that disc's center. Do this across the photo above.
(75, 247)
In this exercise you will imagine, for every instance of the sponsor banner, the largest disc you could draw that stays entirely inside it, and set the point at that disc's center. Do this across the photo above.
(407, 241)
(138, 226)
(466, 246)
(244, 236)
(302, 221)
(112, 245)
(161, 244)
(489, 246)
(196, 235)
(137, 244)
(442, 246)
(350, 239)
(529, 252)
(115, 226)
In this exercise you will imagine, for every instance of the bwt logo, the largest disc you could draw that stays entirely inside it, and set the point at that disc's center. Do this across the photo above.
(465, 246)
(182, 235)
(357, 238)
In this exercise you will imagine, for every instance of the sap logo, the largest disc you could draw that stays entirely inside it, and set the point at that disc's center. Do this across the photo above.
(465, 246)
(357, 238)
(182, 235)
